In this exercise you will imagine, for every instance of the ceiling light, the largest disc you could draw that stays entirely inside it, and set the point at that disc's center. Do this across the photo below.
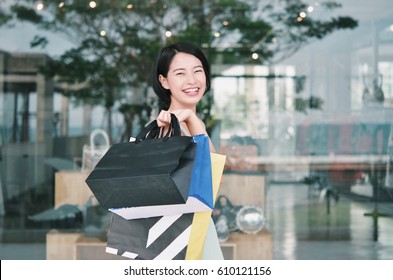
(39, 6)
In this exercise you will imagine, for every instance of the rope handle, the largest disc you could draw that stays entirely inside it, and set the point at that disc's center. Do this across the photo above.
(152, 130)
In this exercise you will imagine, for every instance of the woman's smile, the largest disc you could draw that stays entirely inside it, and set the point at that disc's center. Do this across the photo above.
(192, 91)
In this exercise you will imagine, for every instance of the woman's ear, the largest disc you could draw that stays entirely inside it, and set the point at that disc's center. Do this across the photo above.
(163, 81)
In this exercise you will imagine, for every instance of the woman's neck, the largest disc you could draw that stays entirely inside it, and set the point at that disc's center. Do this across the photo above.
(174, 107)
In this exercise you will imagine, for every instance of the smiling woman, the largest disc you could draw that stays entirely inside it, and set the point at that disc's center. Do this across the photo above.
(181, 77)
(185, 80)
(252, 104)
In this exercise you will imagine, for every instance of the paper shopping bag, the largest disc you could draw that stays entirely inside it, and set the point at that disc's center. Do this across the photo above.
(92, 153)
(201, 220)
(151, 172)
(166, 237)
(200, 196)
(156, 238)
(201, 185)
(155, 176)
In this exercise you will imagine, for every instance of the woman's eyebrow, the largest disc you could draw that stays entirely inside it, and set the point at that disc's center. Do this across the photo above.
(178, 69)
(182, 69)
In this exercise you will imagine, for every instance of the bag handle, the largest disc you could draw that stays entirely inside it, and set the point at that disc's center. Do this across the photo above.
(152, 130)
(97, 132)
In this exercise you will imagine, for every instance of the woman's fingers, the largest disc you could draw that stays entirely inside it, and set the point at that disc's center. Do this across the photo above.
(183, 115)
(164, 118)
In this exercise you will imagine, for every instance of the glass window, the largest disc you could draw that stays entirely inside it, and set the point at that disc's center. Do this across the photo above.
(314, 129)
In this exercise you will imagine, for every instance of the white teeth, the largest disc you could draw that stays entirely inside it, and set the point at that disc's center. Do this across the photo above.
(191, 90)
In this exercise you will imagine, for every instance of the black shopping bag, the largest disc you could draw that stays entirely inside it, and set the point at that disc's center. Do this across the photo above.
(149, 171)
(200, 195)
(156, 238)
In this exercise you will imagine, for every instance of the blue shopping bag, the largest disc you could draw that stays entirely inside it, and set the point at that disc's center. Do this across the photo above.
(201, 180)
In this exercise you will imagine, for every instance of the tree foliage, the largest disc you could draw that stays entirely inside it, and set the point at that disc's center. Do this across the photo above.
(115, 41)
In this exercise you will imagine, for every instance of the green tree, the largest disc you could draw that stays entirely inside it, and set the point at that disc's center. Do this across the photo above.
(115, 41)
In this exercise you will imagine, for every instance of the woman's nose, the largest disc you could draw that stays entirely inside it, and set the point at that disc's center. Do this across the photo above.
(190, 79)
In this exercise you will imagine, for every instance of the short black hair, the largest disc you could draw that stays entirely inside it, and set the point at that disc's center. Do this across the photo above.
(163, 61)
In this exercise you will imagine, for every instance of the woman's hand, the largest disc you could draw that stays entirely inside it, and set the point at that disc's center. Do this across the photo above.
(194, 125)
(186, 116)
(183, 115)
(163, 118)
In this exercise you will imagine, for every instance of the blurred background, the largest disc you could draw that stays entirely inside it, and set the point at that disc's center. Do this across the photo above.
(301, 103)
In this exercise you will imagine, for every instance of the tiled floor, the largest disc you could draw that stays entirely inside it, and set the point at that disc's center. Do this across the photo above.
(301, 229)
(22, 251)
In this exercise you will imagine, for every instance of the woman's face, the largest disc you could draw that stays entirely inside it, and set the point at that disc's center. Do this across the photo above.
(186, 79)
